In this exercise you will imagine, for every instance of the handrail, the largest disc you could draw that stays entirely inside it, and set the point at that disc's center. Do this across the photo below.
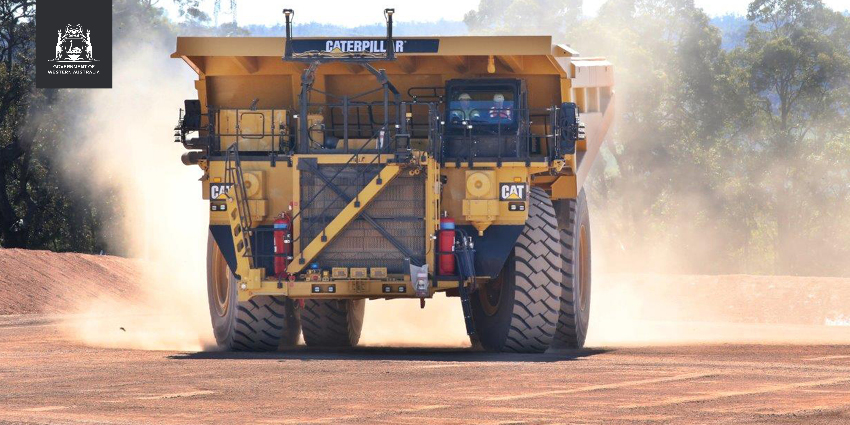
(234, 177)
(275, 129)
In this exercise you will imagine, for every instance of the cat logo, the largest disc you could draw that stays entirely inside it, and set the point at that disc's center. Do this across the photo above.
(512, 191)
(219, 190)
(360, 46)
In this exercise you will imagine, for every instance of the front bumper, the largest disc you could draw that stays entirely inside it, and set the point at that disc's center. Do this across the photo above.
(339, 289)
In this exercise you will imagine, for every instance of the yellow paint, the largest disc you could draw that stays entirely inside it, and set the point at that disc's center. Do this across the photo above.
(344, 288)
(232, 71)
(433, 193)
(481, 204)
(253, 130)
(244, 262)
(358, 273)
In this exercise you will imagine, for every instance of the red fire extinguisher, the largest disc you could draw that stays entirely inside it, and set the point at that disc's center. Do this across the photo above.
(282, 244)
(446, 243)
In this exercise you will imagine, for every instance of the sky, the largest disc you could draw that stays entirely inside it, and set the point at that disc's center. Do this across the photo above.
(722, 7)
(362, 12)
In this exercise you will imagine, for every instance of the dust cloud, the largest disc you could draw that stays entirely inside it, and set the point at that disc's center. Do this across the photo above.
(123, 142)
(664, 254)
(402, 323)
(668, 309)
(661, 290)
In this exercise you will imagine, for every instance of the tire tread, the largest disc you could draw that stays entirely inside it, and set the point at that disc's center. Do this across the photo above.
(537, 252)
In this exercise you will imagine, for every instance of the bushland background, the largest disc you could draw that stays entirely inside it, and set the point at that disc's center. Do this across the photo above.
(730, 152)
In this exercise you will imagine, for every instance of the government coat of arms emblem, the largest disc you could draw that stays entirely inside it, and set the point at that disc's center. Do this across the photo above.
(74, 45)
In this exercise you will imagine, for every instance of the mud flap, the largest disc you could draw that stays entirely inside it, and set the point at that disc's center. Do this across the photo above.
(492, 249)
(221, 234)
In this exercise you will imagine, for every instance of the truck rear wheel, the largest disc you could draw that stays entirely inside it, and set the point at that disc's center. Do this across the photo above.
(332, 323)
(518, 310)
(262, 323)
(574, 316)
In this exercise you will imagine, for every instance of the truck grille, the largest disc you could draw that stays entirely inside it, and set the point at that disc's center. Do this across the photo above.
(399, 208)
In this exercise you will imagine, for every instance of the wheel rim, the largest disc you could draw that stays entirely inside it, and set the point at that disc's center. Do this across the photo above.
(490, 294)
(584, 269)
(221, 285)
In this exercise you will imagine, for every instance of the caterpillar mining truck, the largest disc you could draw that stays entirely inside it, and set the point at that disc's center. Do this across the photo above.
(344, 169)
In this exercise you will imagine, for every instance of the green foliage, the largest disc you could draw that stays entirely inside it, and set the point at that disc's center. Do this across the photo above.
(797, 67)
(190, 11)
(719, 161)
(40, 208)
(725, 162)
(523, 16)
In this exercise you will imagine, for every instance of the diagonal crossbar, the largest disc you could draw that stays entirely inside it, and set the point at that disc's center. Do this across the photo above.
(344, 196)
(352, 210)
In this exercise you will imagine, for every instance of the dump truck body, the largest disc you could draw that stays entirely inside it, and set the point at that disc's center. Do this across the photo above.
(363, 158)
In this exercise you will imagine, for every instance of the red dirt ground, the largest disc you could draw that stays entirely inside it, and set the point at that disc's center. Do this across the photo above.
(49, 282)
(49, 377)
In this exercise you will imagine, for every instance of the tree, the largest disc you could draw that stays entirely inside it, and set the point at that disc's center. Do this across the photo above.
(40, 207)
(797, 65)
(663, 188)
(523, 16)
(17, 34)
(190, 11)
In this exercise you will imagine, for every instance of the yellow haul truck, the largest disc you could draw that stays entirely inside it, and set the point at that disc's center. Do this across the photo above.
(344, 169)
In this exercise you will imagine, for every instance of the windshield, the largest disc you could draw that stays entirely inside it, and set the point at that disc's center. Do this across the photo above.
(482, 106)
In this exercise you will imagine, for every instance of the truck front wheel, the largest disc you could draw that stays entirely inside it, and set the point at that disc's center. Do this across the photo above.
(262, 323)
(518, 310)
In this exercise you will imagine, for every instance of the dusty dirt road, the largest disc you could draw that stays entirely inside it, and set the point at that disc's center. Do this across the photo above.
(49, 375)
(48, 379)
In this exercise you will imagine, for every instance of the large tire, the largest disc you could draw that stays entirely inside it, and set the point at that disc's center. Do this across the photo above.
(263, 323)
(574, 317)
(518, 310)
(332, 323)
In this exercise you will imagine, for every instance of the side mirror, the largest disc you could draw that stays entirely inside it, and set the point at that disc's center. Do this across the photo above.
(569, 124)
(192, 118)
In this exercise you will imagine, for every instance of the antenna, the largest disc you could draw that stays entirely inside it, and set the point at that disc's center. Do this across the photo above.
(305, 50)
(388, 15)
(217, 11)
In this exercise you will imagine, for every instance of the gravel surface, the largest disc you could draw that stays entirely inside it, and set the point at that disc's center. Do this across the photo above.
(48, 379)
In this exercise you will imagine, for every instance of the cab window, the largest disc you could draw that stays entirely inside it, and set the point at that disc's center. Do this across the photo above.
(482, 106)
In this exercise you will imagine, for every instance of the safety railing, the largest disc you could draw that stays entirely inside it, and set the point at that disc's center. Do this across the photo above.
(345, 131)
(427, 93)
(233, 178)
(254, 130)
